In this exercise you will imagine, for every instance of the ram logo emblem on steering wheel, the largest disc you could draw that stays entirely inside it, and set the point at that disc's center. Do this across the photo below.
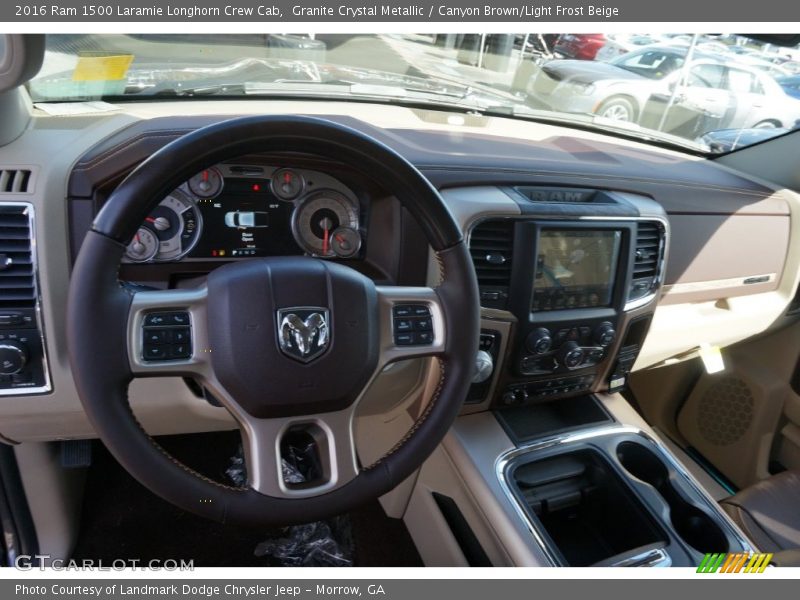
(303, 332)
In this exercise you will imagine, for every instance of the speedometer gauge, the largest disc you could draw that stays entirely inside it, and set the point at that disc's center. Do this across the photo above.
(176, 224)
(316, 219)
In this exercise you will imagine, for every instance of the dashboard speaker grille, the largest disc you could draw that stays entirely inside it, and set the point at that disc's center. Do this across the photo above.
(17, 286)
(649, 251)
(725, 411)
(491, 245)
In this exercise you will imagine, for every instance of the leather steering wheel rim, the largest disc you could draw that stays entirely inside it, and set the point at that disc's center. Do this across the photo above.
(99, 309)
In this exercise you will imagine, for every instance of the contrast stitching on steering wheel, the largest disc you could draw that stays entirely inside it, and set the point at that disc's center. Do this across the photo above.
(174, 460)
(418, 423)
(421, 419)
(438, 257)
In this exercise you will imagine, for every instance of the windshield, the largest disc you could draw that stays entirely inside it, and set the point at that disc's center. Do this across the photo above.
(705, 93)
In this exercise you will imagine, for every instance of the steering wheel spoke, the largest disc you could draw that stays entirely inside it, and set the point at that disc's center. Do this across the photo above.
(167, 333)
(323, 442)
(411, 323)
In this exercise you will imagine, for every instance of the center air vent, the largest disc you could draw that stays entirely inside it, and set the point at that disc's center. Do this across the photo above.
(648, 256)
(15, 181)
(491, 246)
(17, 288)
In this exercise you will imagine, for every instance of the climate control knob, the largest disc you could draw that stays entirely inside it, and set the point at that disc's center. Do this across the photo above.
(604, 334)
(13, 356)
(539, 341)
(570, 355)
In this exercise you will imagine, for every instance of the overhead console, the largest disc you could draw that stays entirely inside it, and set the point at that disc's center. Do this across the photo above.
(576, 273)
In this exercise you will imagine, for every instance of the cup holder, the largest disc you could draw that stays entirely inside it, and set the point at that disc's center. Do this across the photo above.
(693, 525)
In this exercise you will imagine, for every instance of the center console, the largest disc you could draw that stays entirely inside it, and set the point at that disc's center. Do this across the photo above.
(578, 287)
(568, 471)
(612, 496)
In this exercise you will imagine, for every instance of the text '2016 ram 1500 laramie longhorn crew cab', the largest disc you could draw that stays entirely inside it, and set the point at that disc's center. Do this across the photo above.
(252, 285)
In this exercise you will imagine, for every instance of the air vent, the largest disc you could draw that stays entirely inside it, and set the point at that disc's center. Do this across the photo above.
(17, 286)
(15, 181)
(491, 246)
(647, 259)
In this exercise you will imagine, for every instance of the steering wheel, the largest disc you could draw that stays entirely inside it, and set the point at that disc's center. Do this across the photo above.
(282, 342)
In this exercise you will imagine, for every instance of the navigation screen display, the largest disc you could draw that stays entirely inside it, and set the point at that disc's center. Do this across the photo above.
(575, 269)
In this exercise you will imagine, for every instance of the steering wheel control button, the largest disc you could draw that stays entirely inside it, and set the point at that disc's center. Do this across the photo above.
(179, 351)
(424, 338)
(166, 336)
(410, 318)
(180, 335)
(423, 324)
(404, 339)
(154, 352)
(178, 318)
(402, 311)
(156, 336)
(403, 325)
(155, 320)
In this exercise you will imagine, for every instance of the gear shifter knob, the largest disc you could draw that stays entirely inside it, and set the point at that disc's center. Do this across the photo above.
(484, 365)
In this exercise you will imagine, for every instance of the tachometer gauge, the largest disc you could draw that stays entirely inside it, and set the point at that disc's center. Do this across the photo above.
(176, 224)
(345, 242)
(287, 184)
(208, 183)
(143, 246)
(315, 220)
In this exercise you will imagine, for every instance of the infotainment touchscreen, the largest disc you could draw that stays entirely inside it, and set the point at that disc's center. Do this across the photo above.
(575, 268)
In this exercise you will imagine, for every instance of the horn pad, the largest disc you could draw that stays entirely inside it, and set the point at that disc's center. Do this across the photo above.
(291, 336)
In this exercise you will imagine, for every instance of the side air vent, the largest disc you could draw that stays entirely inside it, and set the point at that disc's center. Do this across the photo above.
(15, 181)
(491, 246)
(648, 255)
(17, 287)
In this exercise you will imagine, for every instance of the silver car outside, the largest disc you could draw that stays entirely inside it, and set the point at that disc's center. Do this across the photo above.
(742, 97)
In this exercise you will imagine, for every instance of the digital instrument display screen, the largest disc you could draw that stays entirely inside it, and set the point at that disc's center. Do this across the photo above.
(246, 219)
(575, 269)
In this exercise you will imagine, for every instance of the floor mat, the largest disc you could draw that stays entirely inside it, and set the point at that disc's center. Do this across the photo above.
(123, 520)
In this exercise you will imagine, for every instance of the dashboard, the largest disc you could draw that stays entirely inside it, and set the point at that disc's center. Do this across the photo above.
(237, 211)
(562, 198)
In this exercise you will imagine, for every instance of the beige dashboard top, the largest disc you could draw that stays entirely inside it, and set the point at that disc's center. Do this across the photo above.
(52, 144)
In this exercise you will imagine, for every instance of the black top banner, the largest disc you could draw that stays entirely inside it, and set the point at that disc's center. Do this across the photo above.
(422, 11)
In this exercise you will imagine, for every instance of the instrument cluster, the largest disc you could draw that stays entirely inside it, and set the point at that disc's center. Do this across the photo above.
(233, 211)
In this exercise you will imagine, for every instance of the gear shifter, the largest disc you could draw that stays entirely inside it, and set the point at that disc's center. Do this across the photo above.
(484, 365)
